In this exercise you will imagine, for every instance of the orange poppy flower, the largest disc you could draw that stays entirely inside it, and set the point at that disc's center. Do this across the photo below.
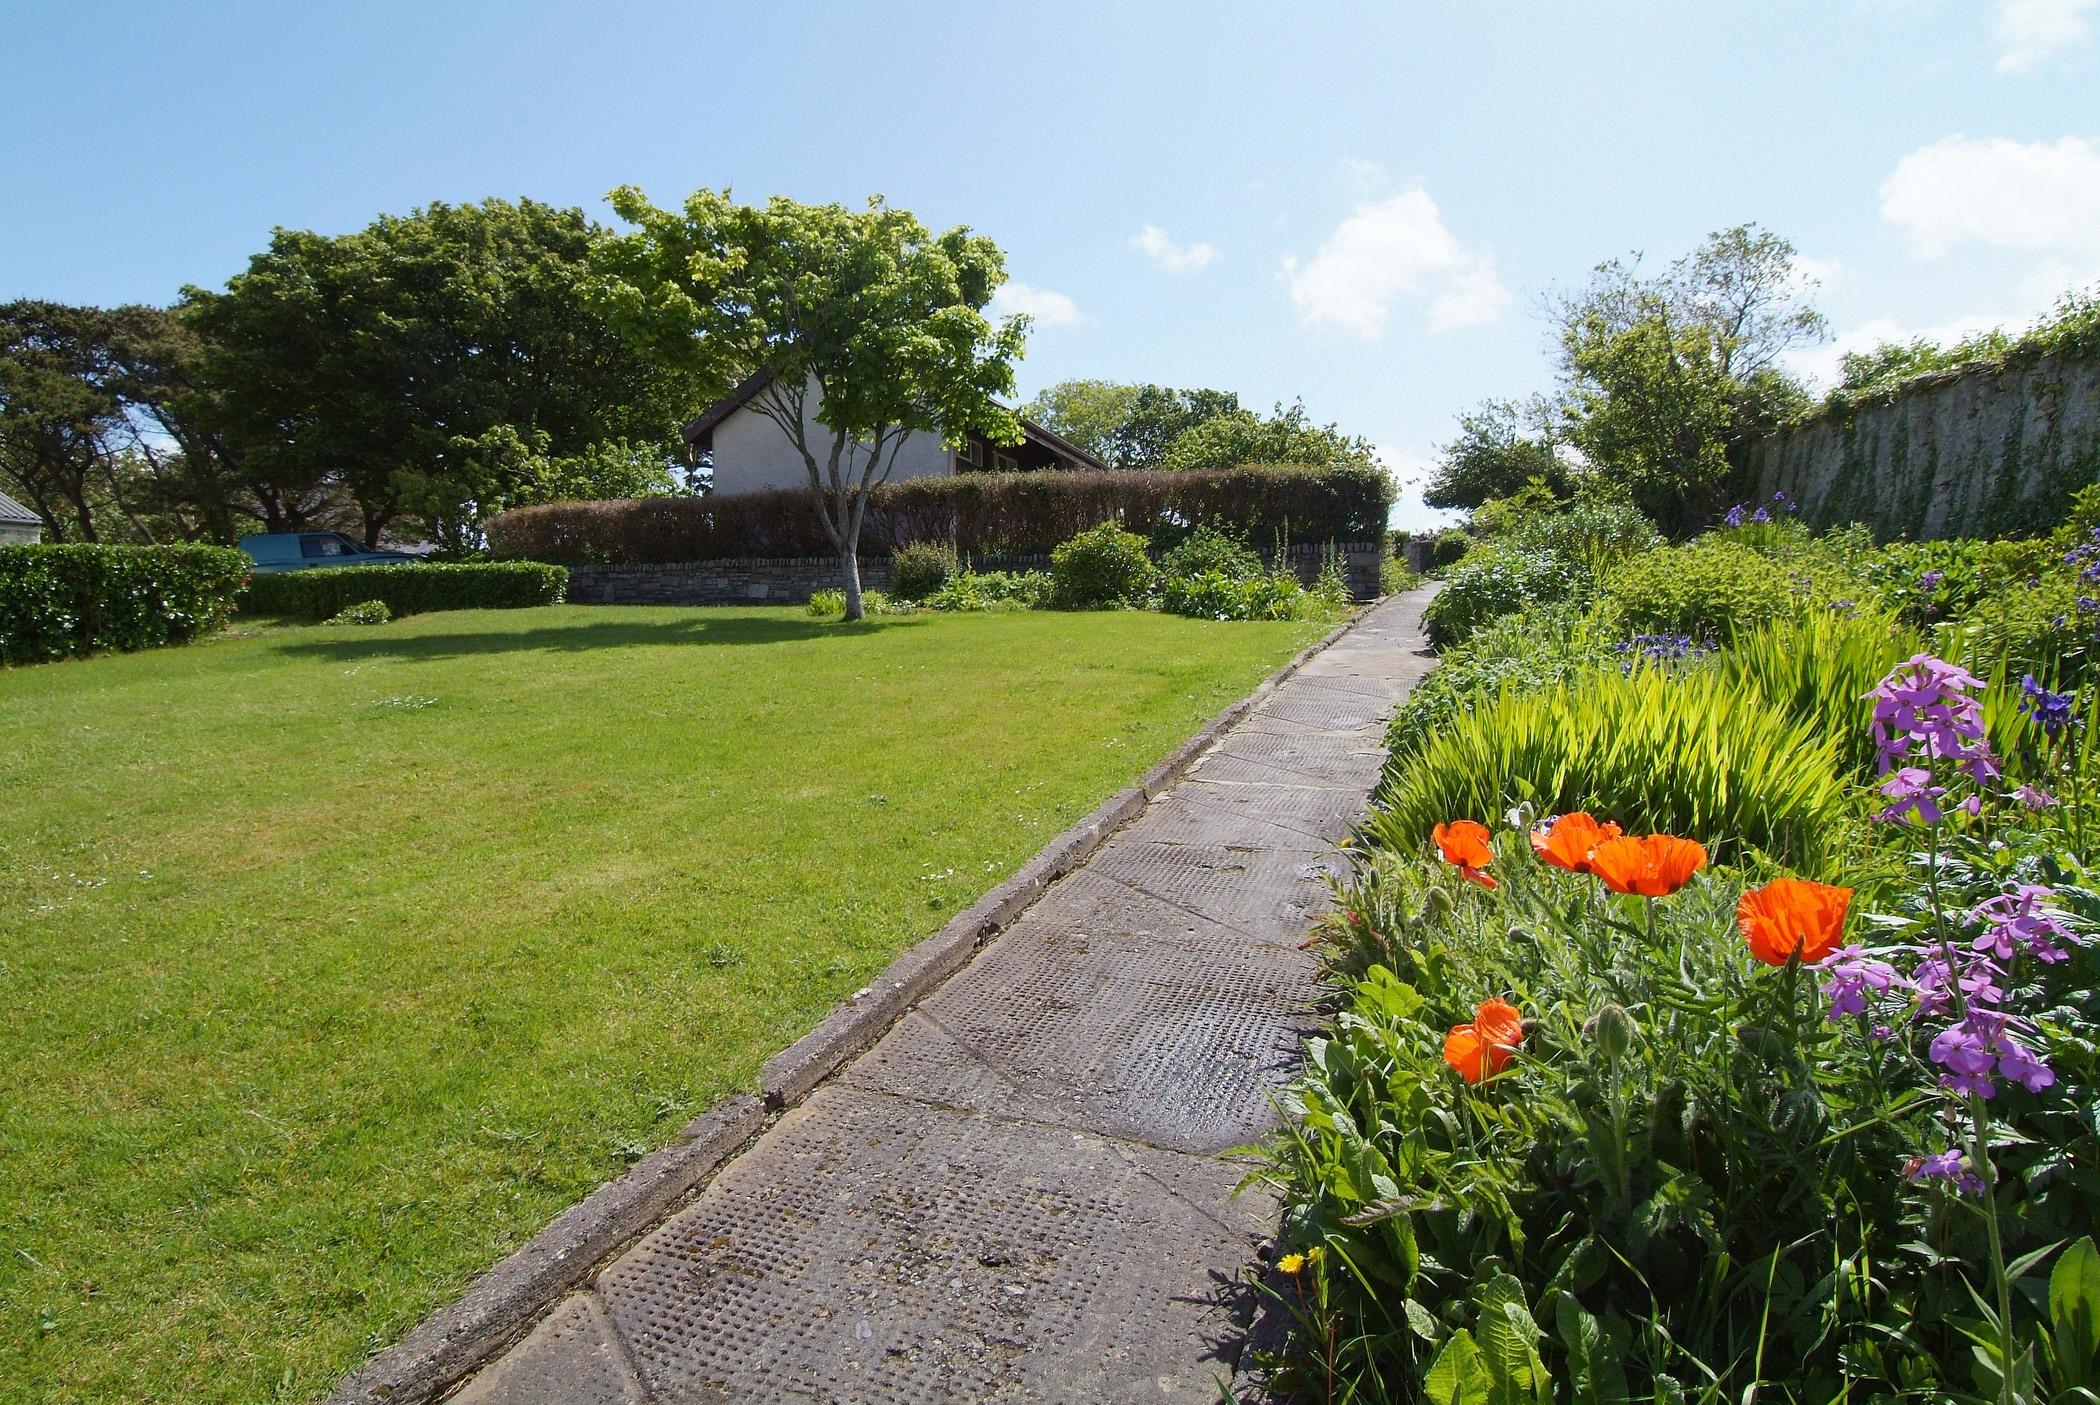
(1569, 840)
(1790, 915)
(1465, 845)
(1654, 867)
(1482, 1047)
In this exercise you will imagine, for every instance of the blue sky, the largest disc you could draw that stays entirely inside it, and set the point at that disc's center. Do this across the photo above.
(1359, 205)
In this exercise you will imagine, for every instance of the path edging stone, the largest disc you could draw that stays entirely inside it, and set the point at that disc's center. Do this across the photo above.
(446, 1347)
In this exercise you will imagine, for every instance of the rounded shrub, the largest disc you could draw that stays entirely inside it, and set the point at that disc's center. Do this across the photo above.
(363, 612)
(1707, 590)
(1100, 569)
(1449, 547)
(919, 569)
(1208, 550)
(1498, 581)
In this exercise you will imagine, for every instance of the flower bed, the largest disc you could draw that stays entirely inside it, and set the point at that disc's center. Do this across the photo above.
(1680, 1095)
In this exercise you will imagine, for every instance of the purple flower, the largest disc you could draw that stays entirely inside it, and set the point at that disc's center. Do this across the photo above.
(1852, 973)
(2019, 1064)
(1911, 790)
(2034, 797)
(1735, 515)
(2052, 712)
(1947, 1166)
(1925, 706)
(2017, 921)
(1968, 1057)
(1761, 515)
(1931, 580)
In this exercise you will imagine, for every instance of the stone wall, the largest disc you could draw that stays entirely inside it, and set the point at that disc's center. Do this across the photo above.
(1983, 451)
(790, 580)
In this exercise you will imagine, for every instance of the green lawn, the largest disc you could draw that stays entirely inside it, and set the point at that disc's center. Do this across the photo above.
(336, 962)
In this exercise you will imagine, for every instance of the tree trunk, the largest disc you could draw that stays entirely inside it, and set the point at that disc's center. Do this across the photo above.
(849, 570)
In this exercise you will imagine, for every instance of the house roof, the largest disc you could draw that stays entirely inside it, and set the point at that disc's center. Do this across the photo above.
(700, 431)
(12, 511)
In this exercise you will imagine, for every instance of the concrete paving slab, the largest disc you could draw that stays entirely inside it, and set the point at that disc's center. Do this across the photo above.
(876, 1251)
(1252, 889)
(573, 1358)
(1324, 710)
(1179, 1041)
(1191, 815)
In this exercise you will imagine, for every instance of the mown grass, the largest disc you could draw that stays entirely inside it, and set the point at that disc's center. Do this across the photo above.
(336, 962)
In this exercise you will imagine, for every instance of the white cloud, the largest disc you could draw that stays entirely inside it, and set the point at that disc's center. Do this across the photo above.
(1813, 275)
(1410, 469)
(1174, 258)
(2033, 196)
(1391, 249)
(2029, 33)
(1364, 177)
(1047, 308)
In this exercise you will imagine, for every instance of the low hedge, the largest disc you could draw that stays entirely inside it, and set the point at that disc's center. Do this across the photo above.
(407, 590)
(973, 512)
(63, 600)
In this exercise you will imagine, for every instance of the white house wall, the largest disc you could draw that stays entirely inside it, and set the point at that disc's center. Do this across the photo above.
(751, 453)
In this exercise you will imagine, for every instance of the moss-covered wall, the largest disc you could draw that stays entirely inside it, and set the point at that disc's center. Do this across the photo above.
(1989, 450)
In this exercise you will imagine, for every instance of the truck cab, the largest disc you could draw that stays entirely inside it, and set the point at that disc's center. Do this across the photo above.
(296, 551)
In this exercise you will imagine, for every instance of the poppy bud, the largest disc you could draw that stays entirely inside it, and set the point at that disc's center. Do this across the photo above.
(1519, 937)
(1612, 1029)
(1436, 905)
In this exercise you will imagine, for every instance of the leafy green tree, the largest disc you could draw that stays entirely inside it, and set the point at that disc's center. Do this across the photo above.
(1662, 375)
(867, 327)
(57, 413)
(1288, 436)
(379, 362)
(1090, 413)
(1501, 447)
(1126, 426)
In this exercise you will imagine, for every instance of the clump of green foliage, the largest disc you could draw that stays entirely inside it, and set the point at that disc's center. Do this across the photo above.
(918, 569)
(1538, 647)
(407, 590)
(59, 601)
(1395, 575)
(1103, 568)
(1497, 581)
(1707, 590)
(993, 590)
(1449, 547)
(363, 612)
(1683, 753)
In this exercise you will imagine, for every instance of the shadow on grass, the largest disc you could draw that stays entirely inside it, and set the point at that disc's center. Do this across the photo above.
(578, 638)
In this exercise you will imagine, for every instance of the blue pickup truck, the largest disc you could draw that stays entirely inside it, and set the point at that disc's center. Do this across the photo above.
(296, 551)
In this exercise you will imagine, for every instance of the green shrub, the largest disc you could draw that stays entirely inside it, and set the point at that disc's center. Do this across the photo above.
(1395, 575)
(993, 590)
(1538, 647)
(407, 590)
(61, 600)
(1102, 568)
(2049, 629)
(1205, 551)
(1271, 595)
(827, 604)
(1594, 533)
(1686, 754)
(363, 612)
(1449, 548)
(1497, 581)
(1929, 582)
(1708, 590)
(918, 569)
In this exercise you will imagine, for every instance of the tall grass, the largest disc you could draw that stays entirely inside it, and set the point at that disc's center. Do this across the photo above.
(1692, 754)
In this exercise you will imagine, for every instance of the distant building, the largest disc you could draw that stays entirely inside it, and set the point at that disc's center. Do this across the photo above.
(18, 525)
(751, 453)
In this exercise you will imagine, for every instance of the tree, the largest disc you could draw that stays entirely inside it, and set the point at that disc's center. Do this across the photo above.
(56, 413)
(378, 364)
(1660, 376)
(1288, 436)
(865, 326)
(1125, 426)
(1501, 447)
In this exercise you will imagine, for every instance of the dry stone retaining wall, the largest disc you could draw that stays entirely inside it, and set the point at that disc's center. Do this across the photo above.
(1988, 450)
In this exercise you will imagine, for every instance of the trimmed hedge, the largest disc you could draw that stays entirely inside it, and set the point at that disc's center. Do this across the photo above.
(973, 512)
(407, 590)
(59, 601)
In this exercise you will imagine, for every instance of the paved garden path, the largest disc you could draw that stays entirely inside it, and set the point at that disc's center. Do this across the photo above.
(1013, 1196)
